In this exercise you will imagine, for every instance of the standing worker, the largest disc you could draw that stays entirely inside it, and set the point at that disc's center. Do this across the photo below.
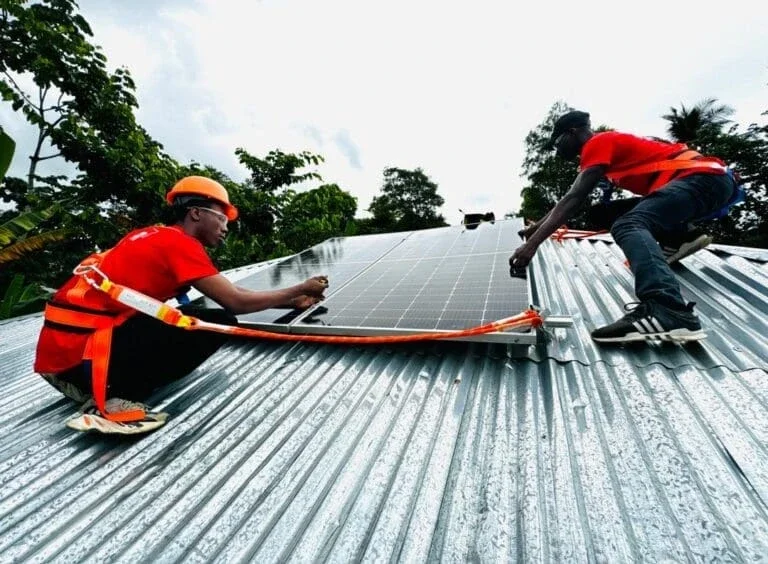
(89, 340)
(677, 186)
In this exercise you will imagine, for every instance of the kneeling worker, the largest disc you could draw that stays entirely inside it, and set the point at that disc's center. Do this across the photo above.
(92, 346)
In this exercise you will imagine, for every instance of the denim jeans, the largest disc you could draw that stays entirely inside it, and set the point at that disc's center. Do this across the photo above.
(668, 209)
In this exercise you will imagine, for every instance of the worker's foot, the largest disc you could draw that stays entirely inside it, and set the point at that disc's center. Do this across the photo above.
(650, 320)
(90, 419)
(676, 250)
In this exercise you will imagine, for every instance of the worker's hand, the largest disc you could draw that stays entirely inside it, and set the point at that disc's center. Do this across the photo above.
(304, 302)
(315, 286)
(522, 256)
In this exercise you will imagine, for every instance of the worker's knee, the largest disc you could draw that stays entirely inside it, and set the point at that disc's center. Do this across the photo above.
(626, 223)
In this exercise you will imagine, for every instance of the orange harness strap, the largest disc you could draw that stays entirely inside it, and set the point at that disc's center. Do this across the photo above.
(564, 232)
(686, 159)
(97, 349)
(99, 345)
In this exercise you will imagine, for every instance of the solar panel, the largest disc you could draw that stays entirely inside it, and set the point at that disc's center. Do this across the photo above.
(439, 279)
(341, 259)
(433, 280)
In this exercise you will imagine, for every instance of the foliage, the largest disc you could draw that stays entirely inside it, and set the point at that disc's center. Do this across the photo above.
(746, 152)
(686, 125)
(14, 243)
(549, 176)
(313, 216)
(85, 112)
(263, 197)
(7, 148)
(15, 238)
(19, 298)
(408, 201)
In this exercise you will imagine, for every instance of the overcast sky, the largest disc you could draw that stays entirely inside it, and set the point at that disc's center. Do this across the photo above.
(451, 87)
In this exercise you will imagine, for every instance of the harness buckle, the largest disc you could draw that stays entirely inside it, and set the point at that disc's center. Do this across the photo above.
(82, 270)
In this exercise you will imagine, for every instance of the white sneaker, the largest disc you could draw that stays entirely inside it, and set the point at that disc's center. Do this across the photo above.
(90, 419)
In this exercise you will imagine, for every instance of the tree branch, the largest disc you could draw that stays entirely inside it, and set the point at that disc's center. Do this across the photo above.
(48, 157)
(18, 89)
(41, 135)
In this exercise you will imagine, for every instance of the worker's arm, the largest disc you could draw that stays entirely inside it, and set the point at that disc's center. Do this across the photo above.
(239, 300)
(564, 209)
(531, 228)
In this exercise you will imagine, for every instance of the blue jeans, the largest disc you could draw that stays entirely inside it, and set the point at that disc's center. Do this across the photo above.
(668, 209)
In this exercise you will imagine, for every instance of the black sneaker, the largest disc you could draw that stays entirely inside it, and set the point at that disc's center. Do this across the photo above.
(650, 320)
(691, 243)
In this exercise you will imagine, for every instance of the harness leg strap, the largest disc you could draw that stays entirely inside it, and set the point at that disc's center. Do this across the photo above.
(99, 353)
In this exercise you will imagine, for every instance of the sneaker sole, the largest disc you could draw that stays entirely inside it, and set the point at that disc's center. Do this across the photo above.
(687, 249)
(89, 422)
(675, 336)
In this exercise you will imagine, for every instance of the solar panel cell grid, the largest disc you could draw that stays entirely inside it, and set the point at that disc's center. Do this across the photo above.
(436, 279)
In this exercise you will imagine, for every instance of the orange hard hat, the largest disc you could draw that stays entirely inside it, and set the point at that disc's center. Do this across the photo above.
(206, 188)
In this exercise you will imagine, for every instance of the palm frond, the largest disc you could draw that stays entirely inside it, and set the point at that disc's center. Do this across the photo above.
(24, 223)
(34, 243)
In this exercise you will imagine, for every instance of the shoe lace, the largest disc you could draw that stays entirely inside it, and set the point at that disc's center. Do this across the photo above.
(636, 310)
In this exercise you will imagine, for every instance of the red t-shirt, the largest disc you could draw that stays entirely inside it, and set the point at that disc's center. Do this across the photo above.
(157, 261)
(620, 151)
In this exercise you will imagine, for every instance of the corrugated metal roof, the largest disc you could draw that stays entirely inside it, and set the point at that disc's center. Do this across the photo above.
(443, 451)
(587, 280)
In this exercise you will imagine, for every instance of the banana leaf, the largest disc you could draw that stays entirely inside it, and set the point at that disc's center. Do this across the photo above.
(24, 223)
(30, 244)
(19, 299)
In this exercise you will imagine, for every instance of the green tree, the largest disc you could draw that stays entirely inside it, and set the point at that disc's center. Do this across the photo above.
(408, 201)
(85, 113)
(746, 151)
(18, 237)
(265, 194)
(7, 148)
(316, 215)
(549, 177)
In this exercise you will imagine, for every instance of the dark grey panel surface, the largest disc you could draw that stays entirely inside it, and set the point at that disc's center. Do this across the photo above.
(449, 278)
(340, 259)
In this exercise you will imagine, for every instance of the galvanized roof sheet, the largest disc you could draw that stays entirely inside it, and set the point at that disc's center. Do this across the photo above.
(588, 281)
(441, 451)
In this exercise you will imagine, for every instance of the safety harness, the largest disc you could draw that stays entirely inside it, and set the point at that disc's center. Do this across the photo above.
(101, 323)
(78, 315)
(666, 170)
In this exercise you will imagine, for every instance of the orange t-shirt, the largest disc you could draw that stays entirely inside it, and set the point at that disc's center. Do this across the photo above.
(620, 151)
(158, 261)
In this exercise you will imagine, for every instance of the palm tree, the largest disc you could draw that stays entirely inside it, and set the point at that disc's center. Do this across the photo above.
(687, 125)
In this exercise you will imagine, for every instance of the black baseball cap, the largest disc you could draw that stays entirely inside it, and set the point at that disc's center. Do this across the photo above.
(565, 122)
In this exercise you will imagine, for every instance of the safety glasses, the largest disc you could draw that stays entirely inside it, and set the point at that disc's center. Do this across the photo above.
(223, 219)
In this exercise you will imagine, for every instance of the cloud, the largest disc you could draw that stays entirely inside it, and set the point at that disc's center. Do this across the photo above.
(450, 87)
(345, 144)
